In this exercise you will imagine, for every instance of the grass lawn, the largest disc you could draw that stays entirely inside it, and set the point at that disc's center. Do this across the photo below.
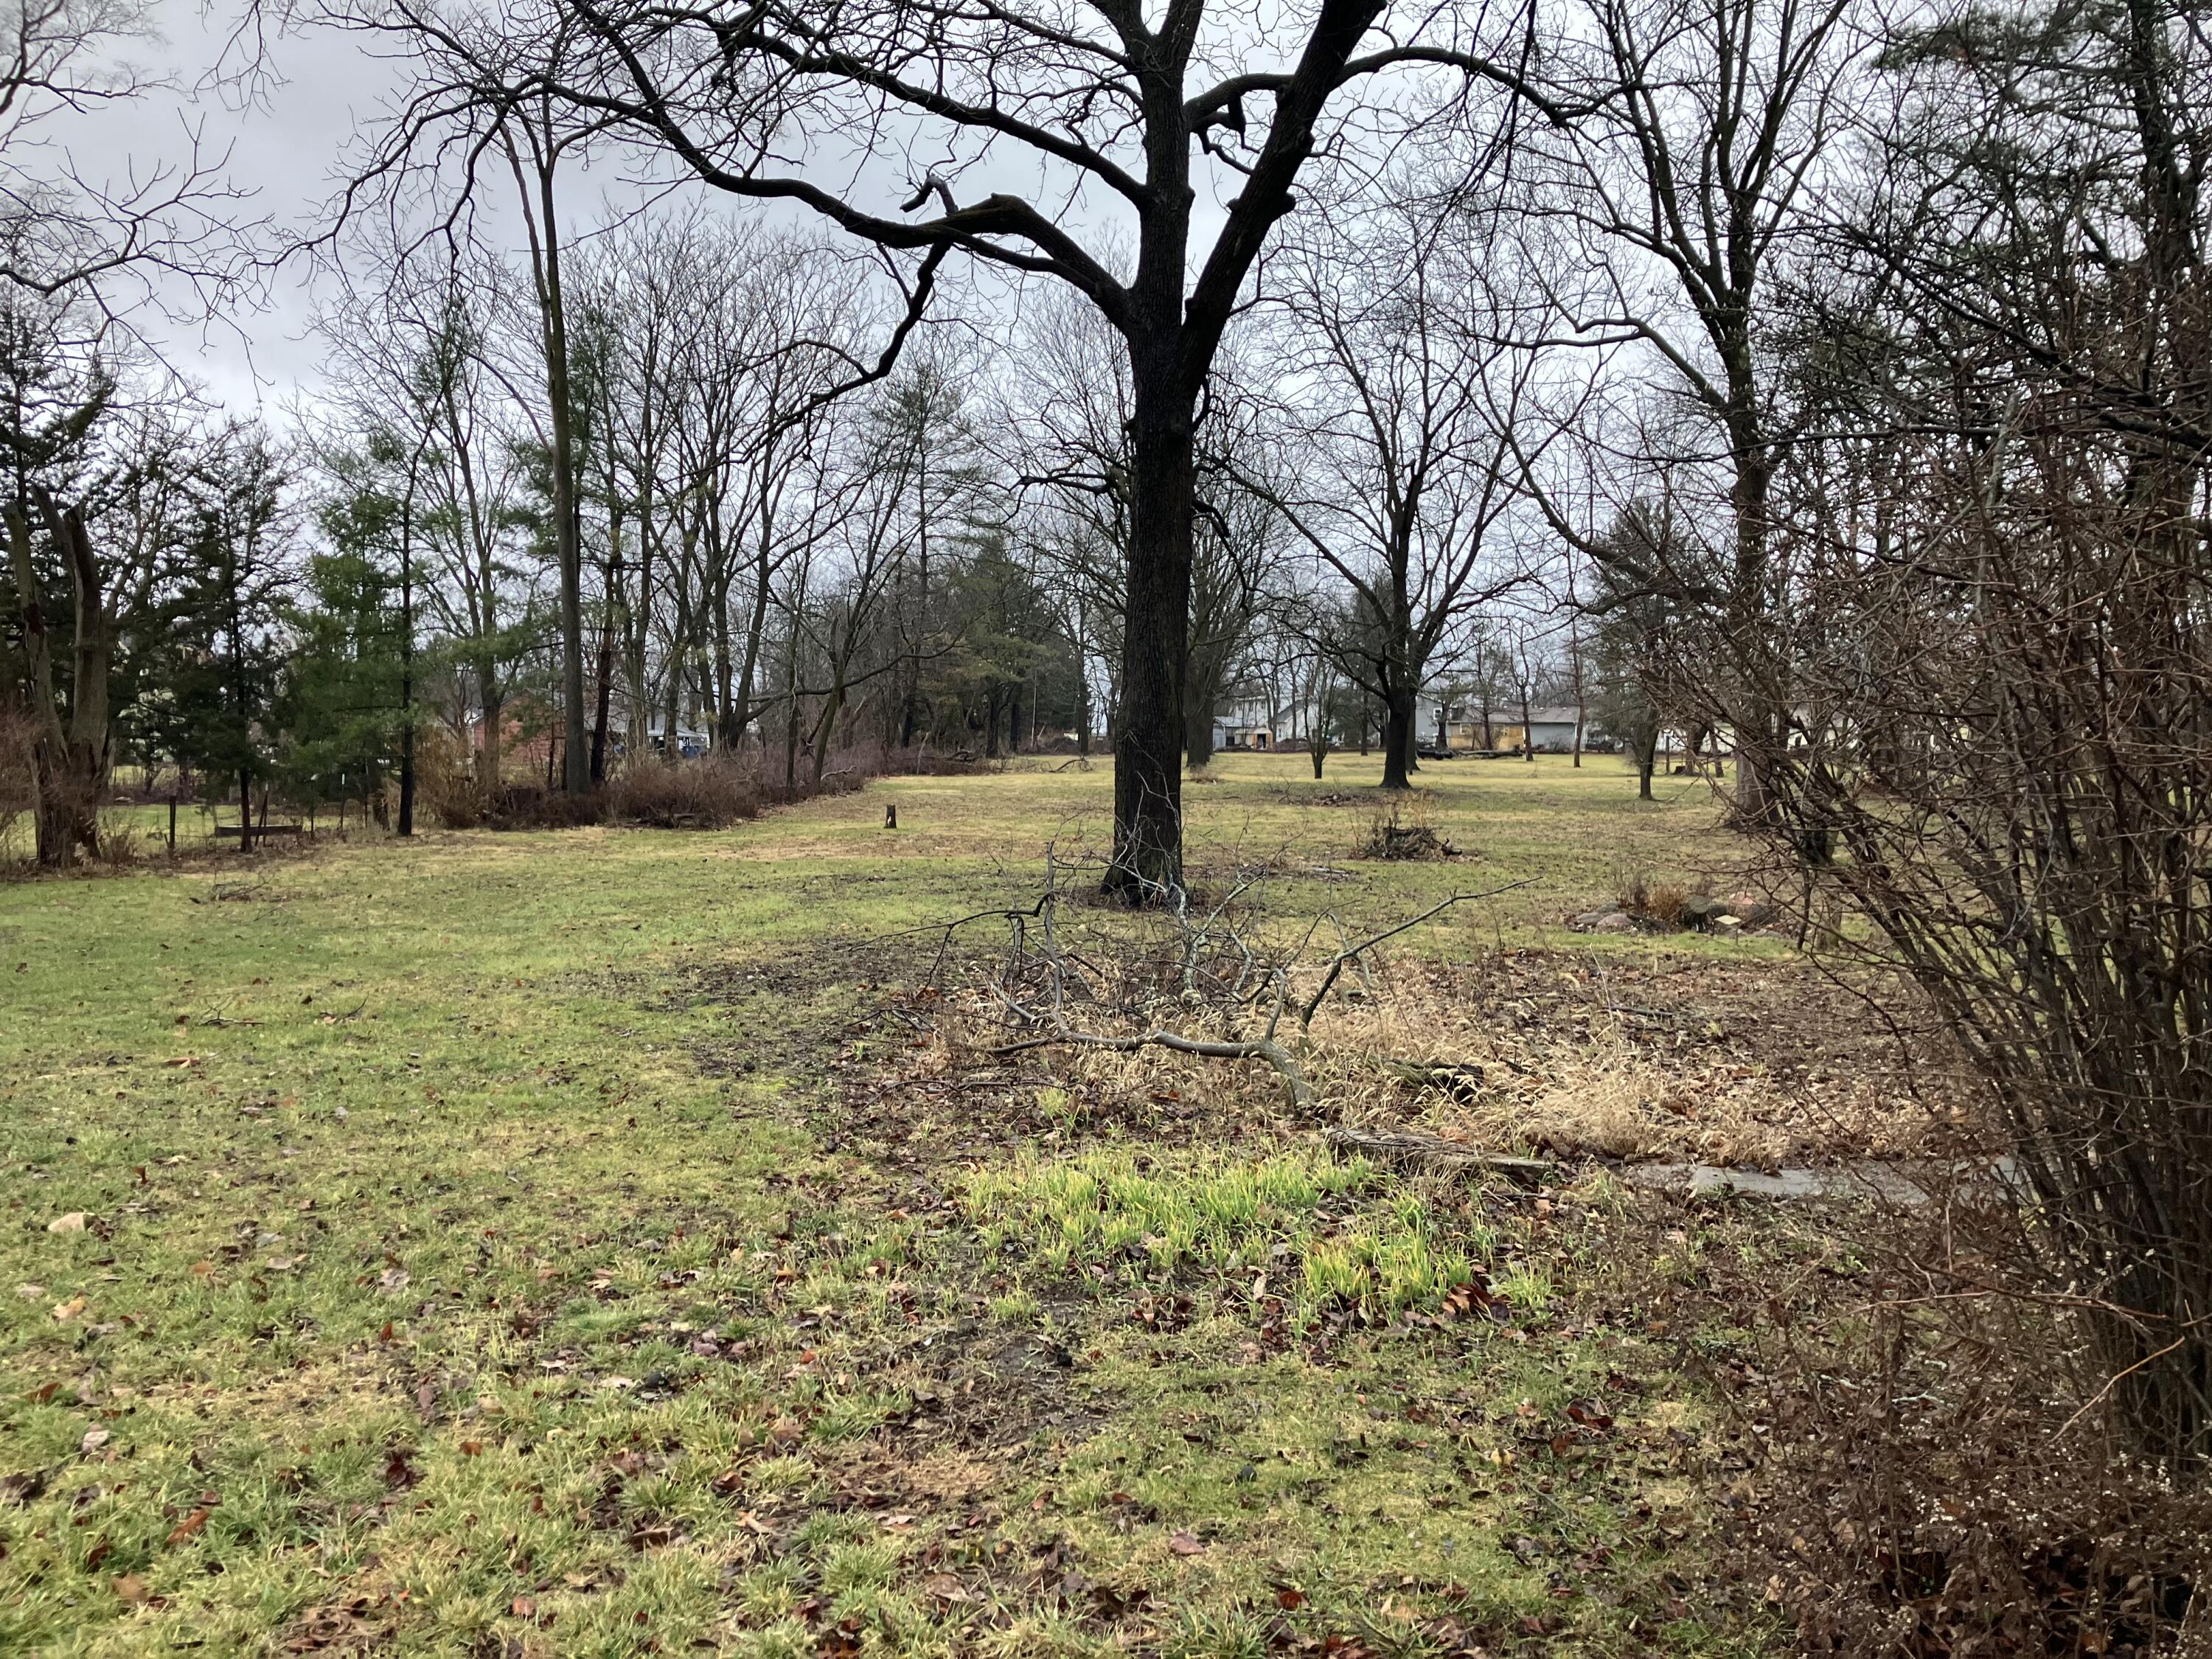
(544, 1244)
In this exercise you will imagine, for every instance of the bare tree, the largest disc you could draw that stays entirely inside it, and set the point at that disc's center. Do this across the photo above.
(1137, 109)
(1403, 447)
(170, 234)
(1995, 540)
(1659, 224)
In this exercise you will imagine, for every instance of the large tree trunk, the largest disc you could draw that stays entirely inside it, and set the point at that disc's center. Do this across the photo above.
(1754, 720)
(826, 728)
(1147, 866)
(576, 770)
(911, 710)
(679, 647)
(637, 627)
(1397, 739)
(495, 712)
(1198, 730)
(543, 226)
(69, 761)
(726, 680)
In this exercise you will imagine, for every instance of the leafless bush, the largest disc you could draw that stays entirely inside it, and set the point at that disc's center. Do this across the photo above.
(1664, 903)
(445, 785)
(1920, 1481)
(711, 793)
(115, 839)
(1400, 830)
(533, 807)
(1988, 699)
(704, 795)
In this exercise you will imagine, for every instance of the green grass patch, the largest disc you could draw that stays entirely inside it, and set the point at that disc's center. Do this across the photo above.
(471, 1260)
(1334, 1233)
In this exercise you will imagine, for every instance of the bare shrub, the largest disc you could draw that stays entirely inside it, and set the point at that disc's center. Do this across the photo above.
(115, 839)
(1979, 726)
(1917, 1467)
(446, 785)
(705, 795)
(711, 793)
(1665, 904)
(1400, 830)
(1633, 893)
(533, 807)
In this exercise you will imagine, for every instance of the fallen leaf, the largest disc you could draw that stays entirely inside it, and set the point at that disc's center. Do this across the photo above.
(189, 1527)
(69, 1310)
(1183, 1544)
(31, 1293)
(1288, 1599)
(94, 1440)
(132, 1588)
(71, 1222)
(523, 1606)
(946, 1587)
(470, 1448)
(204, 1269)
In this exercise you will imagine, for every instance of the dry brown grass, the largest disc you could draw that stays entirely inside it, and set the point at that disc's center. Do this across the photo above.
(1753, 1065)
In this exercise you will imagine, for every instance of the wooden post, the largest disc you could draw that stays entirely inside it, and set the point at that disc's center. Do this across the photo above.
(172, 824)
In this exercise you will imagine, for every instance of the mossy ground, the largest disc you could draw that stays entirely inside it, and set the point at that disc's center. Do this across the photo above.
(481, 1253)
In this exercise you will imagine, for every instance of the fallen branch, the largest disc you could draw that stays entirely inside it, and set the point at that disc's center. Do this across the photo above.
(1432, 1149)
(1265, 1049)
(1352, 953)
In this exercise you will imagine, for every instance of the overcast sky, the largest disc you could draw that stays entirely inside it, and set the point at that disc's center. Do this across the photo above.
(287, 142)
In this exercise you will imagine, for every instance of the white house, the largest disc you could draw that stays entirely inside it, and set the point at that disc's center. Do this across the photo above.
(1461, 726)
(1247, 723)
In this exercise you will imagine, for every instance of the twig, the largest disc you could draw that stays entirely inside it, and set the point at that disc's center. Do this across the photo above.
(1527, 1171)
(1264, 1048)
(2113, 1382)
(1352, 953)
